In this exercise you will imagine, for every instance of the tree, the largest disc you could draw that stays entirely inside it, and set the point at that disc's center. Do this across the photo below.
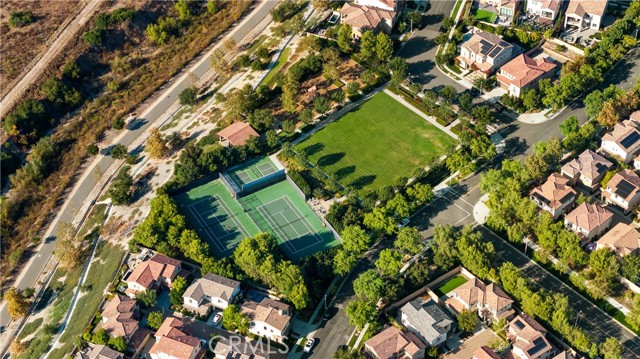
(448, 93)
(355, 239)
(353, 88)
(189, 96)
(444, 246)
(20, 18)
(92, 149)
(367, 46)
(368, 77)
(346, 353)
(17, 303)
(120, 190)
(212, 7)
(570, 126)
(409, 240)
(361, 312)
(321, 104)
(384, 47)
(179, 285)
(344, 262)
(100, 337)
(420, 193)
(218, 62)
(369, 285)
(156, 145)
(467, 320)
(241, 101)
(611, 349)
(389, 263)
(345, 38)
(306, 116)
(68, 248)
(414, 17)
(184, 9)
(154, 320)
(380, 220)
(118, 344)
(531, 99)
(18, 347)
(233, 319)
(148, 297)
(630, 268)
(118, 123)
(605, 268)
(118, 151)
(399, 70)
(475, 254)
(321, 5)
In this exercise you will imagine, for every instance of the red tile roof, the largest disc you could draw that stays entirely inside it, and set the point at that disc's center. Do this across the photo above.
(363, 17)
(589, 216)
(237, 133)
(523, 70)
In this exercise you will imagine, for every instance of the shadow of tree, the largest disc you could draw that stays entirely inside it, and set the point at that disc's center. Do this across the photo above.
(344, 172)
(330, 159)
(362, 181)
(313, 149)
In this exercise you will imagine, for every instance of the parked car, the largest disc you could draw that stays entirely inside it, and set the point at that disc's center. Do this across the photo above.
(217, 318)
(308, 345)
(403, 223)
(328, 314)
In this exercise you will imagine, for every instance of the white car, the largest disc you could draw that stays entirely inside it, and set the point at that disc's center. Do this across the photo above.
(403, 223)
(308, 345)
(217, 318)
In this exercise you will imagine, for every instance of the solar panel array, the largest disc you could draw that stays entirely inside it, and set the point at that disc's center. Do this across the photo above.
(538, 345)
(631, 139)
(624, 189)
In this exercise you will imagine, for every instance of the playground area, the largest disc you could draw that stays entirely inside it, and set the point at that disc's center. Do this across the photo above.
(280, 209)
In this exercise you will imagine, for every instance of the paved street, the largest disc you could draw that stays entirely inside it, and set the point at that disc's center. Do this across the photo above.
(92, 177)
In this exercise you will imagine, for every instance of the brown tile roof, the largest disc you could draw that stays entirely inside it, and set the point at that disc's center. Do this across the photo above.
(387, 3)
(625, 184)
(484, 352)
(173, 341)
(148, 271)
(623, 239)
(555, 191)
(622, 131)
(635, 116)
(104, 352)
(121, 317)
(589, 216)
(582, 7)
(564, 355)
(471, 292)
(391, 341)
(238, 133)
(529, 336)
(524, 70)
(268, 311)
(363, 17)
(212, 285)
(551, 5)
(588, 164)
(495, 297)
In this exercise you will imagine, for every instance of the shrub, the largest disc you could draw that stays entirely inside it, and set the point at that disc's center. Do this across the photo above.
(20, 18)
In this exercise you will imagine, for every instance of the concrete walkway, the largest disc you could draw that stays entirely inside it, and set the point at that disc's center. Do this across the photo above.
(429, 119)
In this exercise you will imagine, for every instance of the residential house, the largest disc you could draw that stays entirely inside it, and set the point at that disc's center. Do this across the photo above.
(172, 342)
(484, 352)
(623, 239)
(507, 9)
(523, 73)
(485, 52)
(491, 302)
(138, 342)
(120, 317)
(100, 352)
(588, 220)
(584, 14)
(555, 195)
(529, 339)
(589, 167)
(236, 134)
(428, 321)
(362, 18)
(564, 355)
(393, 343)
(210, 291)
(547, 10)
(623, 190)
(269, 318)
(623, 141)
(158, 271)
(388, 5)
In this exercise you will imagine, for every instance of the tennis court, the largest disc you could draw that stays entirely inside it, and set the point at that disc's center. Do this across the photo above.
(224, 221)
(251, 172)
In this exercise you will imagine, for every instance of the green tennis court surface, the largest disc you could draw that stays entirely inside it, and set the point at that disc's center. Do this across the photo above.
(278, 209)
(252, 171)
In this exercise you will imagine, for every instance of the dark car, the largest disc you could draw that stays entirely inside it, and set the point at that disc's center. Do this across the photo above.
(329, 313)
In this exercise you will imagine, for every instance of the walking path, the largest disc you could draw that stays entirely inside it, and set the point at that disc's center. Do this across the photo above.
(429, 119)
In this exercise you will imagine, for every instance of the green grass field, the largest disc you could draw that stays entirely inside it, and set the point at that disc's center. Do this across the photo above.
(484, 15)
(373, 145)
(451, 284)
(222, 221)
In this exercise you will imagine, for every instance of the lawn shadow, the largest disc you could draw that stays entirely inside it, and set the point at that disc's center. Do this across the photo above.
(344, 172)
(313, 149)
(330, 159)
(362, 181)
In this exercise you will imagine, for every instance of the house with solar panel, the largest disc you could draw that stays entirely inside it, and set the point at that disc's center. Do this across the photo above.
(528, 338)
(589, 168)
(623, 190)
(623, 141)
(485, 52)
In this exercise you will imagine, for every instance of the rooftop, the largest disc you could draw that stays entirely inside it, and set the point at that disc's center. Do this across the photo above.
(589, 216)
(213, 286)
(429, 319)
(623, 239)
(555, 192)
(363, 17)
(588, 164)
(624, 184)
(582, 7)
(268, 311)
(525, 70)
(625, 134)
(238, 133)
(392, 340)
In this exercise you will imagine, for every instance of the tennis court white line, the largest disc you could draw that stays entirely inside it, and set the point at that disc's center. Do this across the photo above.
(228, 211)
(301, 217)
(213, 237)
(274, 226)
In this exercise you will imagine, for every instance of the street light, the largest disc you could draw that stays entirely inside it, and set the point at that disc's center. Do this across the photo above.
(577, 316)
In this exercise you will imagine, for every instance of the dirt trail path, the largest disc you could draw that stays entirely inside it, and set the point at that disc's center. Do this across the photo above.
(69, 32)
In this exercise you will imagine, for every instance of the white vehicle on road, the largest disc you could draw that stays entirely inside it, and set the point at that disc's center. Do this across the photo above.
(309, 345)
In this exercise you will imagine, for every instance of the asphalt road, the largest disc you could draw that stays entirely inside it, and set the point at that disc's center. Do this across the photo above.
(94, 173)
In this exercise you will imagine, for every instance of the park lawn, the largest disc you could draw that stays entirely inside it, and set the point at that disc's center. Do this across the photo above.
(375, 144)
(284, 57)
(484, 15)
(451, 284)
